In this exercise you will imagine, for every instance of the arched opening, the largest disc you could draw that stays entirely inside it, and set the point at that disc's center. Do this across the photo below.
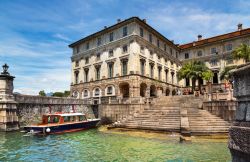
(167, 92)
(153, 92)
(124, 90)
(143, 89)
(110, 90)
(174, 92)
(85, 93)
(75, 94)
(160, 91)
(97, 92)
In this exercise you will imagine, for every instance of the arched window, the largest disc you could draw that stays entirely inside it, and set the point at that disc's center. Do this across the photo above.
(96, 92)
(75, 94)
(110, 90)
(85, 93)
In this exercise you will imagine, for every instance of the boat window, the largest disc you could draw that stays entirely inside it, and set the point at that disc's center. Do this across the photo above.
(53, 119)
(66, 118)
(82, 118)
(73, 118)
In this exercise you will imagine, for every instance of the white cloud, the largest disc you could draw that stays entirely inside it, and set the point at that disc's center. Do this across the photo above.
(62, 37)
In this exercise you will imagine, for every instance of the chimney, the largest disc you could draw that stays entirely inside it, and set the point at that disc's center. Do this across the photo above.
(144, 20)
(105, 27)
(199, 37)
(239, 27)
(118, 20)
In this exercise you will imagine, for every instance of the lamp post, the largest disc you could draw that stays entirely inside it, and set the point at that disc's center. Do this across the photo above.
(5, 69)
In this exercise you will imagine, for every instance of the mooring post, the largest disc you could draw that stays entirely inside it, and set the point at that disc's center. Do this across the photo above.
(8, 106)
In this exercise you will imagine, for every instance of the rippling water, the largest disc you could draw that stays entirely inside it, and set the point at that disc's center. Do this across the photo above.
(93, 145)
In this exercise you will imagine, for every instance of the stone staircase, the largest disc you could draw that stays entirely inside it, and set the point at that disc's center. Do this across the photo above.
(165, 114)
(202, 122)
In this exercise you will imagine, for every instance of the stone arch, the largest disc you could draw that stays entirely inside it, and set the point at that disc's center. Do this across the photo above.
(174, 92)
(85, 93)
(143, 89)
(110, 90)
(153, 91)
(76, 94)
(124, 89)
(97, 92)
(159, 91)
(168, 92)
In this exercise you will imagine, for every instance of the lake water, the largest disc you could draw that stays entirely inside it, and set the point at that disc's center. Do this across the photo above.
(94, 145)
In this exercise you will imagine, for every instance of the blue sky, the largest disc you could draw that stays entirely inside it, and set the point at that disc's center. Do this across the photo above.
(34, 35)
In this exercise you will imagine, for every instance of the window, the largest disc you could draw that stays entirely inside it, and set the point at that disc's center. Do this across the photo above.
(229, 47)
(142, 49)
(166, 75)
(98, 57)
(124, 67)
(159, 58)
(77, 63)
(97, 68)
(165, 47)
(86, 60)
(176, 54)
(158, 43)
(171, 51)
(77, 49)
(125, 49)
(85, 93)
(76, 77)
(111, 37)
(166, 61)
(159, 73)
(87, 45)
(186, 55)
(110, 90)
(110, 70)
(97, 92)
(213, 50)
(213, 62)
(111, 53)
(82, 118)
(125, 31)
(86, 74)
(141, 32)
(199, 53)
(151, 54)
(142, 67)
(152, 70)
(99, 41)
(150, 38)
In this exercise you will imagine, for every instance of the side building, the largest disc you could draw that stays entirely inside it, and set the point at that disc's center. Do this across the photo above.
(127, 60)
(216, 52)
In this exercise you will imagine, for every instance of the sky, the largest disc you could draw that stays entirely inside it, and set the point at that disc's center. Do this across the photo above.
(34, 35)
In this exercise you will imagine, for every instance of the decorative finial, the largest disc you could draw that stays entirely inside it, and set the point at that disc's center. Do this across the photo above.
(5, 69)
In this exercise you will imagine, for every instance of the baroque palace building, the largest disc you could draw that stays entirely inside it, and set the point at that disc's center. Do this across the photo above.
(132, 60)
(127, 60)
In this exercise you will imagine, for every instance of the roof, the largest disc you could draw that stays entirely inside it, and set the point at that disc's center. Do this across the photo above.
(216, 38)
(108, 29)
(67, 114)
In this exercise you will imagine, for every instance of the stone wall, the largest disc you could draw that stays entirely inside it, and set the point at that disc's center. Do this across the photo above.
(239, 133)
(224, 109)
(30, 108)
(119, 112)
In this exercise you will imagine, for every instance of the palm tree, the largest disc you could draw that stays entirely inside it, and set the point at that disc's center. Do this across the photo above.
(225, 74)
(242, 52)
(195, 70)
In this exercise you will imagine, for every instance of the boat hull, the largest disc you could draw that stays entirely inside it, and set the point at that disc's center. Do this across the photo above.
(62, 128)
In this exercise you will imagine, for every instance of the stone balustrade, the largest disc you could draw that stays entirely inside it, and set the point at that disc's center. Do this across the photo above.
(224, 109)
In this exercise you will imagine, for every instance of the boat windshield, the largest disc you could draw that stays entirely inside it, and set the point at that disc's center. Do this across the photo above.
(53, 119)
(74, 118)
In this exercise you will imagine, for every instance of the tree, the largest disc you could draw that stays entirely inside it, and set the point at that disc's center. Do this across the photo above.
(242, 52)
(195, 70)
(42, 93)
(225, 75)
(66, 93)
(58, 94)
(207, 75)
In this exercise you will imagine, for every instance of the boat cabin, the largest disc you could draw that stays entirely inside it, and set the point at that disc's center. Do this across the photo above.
(63, 118)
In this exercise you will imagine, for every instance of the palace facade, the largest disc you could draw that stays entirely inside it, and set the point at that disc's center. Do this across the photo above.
(132, 60)
(128, 59)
